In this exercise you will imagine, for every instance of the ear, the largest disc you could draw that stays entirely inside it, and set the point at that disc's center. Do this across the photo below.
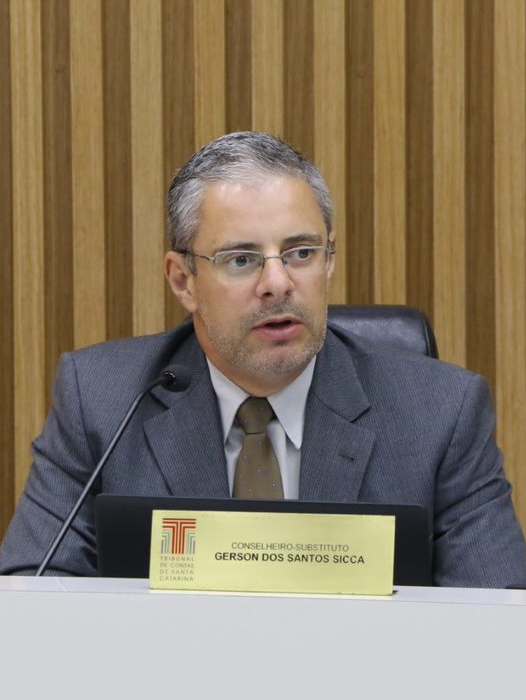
(180, 279)
(332, 261)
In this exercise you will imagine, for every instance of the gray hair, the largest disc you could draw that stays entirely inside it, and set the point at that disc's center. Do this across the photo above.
(245, 156)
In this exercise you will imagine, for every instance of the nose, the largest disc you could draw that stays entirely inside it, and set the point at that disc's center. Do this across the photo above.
(274, 280)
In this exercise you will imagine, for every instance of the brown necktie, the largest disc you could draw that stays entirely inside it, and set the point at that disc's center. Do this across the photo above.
(257, 469)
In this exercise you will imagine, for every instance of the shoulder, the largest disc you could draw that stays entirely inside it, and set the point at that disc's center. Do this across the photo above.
(409, 396)
(382, 369)
(124, 367)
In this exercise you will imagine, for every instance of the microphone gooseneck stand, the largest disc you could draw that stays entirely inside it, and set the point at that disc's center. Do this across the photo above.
(173, 378)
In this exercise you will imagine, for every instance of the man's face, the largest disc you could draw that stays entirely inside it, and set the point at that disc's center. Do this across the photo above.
(260, 331)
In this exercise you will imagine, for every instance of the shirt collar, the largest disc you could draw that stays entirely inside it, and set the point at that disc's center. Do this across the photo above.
(288, 404)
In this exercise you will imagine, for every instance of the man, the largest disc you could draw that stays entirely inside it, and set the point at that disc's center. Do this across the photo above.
(251, 259)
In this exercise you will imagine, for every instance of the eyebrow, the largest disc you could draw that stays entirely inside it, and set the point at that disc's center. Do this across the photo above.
(297, 239)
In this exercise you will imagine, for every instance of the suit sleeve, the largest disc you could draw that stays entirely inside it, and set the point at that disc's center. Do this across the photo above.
(62, 464)
(478, 540)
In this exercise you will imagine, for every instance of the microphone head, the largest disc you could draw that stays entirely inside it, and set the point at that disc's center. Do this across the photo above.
(176, 378)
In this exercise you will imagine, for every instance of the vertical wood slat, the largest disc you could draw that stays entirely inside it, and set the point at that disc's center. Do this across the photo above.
(298, 75)
(419, 153)
(88, 172)
(267, 66)
(449, 317)
(118, 263)
(480, 203)
(238, 54)
(58, 224)
(389, 152)
(178, 84)
(7, 407)
(210, 80)
(178, 107)
(28, 228)
(359, 189)
(510, 237)
(147, 167)
(329, 121)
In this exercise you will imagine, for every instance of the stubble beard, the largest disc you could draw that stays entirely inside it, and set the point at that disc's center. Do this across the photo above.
(236, 350)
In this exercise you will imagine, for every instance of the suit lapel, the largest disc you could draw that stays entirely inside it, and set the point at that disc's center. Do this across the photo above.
(186, 439)
(335, 451)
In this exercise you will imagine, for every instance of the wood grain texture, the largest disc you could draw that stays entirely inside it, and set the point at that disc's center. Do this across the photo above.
(389, 152)
(147, 168)
(419, 154)
(28, 229)
(266, 65)
(117, 163)
(7, 404)
(480, 193)
(58, 222)
(178, 107)
(238, 39)
(209, 67)
(87, 143)
(415, 110)
(510, 236)
(449, 212)
(359, 190)
(329, 122)
(298, 70)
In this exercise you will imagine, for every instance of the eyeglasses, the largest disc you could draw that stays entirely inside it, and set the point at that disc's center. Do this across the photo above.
(234, 265)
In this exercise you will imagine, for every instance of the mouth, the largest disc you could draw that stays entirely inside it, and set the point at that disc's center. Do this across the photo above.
(279, 329)
(278, 322)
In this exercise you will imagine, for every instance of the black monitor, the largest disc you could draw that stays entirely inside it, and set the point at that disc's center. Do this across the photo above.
(123, 526)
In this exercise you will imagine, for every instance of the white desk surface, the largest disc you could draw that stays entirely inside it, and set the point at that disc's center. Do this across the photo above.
(138, 586)
(80, 638)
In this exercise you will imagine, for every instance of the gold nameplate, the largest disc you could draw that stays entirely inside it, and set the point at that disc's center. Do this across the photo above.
(272, 552)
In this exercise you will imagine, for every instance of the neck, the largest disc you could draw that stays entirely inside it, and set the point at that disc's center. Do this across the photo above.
(262, 385)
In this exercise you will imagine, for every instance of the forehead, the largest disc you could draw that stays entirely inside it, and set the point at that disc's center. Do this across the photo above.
(270, 210)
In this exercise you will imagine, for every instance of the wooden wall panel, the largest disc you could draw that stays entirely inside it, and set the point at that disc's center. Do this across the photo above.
(7, 418)
(298, 70)
(147, 167)
(267, 59)
(210, 69)
(480, 195)
(58, 223)
(28, 229)
(449, 210)
(359, 155)
(238, 50)
(329, 122)
(389, 153)
(87, 145)
(419, 153)
(510, 237)
(117, 164)
(178, 87)
(414, 109)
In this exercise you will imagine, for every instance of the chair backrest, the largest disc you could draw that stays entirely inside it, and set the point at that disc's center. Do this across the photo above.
(401, 327)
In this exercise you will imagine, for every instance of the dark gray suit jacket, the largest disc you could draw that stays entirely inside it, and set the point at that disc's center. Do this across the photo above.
(380, 426)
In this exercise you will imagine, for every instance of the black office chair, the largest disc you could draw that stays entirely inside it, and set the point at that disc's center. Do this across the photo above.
(401, 327)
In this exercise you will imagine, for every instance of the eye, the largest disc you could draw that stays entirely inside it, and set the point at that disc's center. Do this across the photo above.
(299, 255)
(237, 260)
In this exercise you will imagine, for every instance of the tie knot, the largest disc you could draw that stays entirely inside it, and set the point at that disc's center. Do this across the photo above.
(254, 415)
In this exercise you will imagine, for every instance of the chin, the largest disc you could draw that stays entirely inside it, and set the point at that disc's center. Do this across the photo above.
(280, 363)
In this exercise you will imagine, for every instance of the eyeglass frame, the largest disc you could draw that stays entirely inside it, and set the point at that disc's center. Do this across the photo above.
(329, 249)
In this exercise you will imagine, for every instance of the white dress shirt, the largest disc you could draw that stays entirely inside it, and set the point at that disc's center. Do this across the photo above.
(285, 431)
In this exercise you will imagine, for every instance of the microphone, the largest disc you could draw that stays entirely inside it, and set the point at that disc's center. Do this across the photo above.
(173, 378)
